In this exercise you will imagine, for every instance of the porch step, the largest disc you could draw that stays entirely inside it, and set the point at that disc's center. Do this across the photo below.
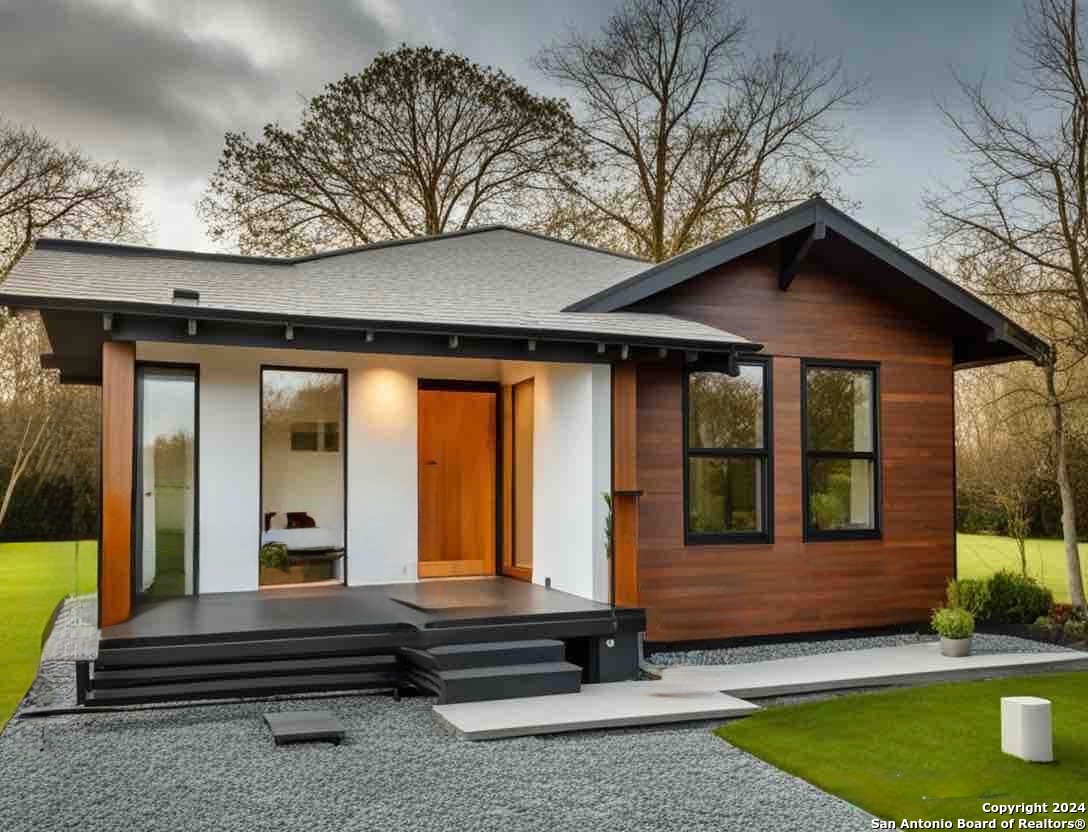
(106, 677)
(243, 687)
(492, 670)
(459, 656)
(208, 670)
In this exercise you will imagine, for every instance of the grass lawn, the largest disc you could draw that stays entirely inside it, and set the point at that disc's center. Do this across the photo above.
(930, 753)
(33, 577)
(980, 555)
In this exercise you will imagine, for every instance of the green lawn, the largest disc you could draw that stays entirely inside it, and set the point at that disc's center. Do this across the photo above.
(929, 753)
(980, 555)
(33, 577)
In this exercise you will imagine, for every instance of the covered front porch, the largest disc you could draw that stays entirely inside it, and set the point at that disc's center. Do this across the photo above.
(464, 639)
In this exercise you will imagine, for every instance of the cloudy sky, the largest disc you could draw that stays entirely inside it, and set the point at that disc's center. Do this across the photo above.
(156, 83)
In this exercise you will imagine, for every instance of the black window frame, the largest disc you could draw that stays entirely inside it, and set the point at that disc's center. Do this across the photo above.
(876, 532)
(764, 454)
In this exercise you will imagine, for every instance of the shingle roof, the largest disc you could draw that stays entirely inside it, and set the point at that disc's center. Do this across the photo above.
(493, 277)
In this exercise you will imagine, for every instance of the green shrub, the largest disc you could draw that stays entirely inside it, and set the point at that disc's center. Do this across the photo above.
(1076, 629)
(1016, 599)
(1045, 627)
(274, 556)
(971, 594)
(953, 622)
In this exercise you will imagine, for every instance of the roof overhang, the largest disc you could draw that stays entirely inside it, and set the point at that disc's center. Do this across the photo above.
(815, 228)
(77, 327)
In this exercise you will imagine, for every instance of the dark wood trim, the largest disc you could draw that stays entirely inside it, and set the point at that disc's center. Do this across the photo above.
(764, 454)
(455, 385)
(625, 486)
(874, 456)
(137, 435)
(794, 256)
(344, 431)
(118, 421)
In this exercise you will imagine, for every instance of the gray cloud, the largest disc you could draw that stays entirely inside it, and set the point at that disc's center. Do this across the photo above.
(156, 83)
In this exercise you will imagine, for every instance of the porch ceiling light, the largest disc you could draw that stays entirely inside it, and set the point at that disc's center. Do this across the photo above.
(289, 333)
(662, 352)
(625, 351)
(532, 346)
(192, 327)
(601, 348)
(107, 322)
(369, 336)
(455, 341)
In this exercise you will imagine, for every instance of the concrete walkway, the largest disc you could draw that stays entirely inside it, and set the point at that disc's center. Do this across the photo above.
(910, 664)
(611, 705)
(705, 692)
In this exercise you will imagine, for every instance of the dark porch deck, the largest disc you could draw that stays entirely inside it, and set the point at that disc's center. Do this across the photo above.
(476, 638)
(417, 614)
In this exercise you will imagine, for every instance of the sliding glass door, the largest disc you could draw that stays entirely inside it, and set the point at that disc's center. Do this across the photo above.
(302, 476)
(165, 550)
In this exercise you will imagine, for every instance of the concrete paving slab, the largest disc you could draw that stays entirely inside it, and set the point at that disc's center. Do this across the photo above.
(304, 726)
(608, 705)
(909, 664)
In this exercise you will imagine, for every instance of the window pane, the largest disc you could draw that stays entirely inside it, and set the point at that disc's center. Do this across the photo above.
(304, 436)
(331, 437)
(725, 495)
(841, 494)
(726, 412)
(839, 406)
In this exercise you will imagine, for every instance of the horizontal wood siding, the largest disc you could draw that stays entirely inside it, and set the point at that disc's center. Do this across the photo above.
(723, 591)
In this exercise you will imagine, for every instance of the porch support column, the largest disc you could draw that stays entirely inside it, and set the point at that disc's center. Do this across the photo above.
(625, 491)
(118, 423)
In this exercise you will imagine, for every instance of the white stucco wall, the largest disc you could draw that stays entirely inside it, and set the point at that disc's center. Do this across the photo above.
(571, 468)
(572, 461)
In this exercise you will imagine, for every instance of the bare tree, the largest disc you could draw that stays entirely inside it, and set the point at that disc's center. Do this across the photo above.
(1000, 447)
(1020, 225)
(691, 136)
(44, 424)
(420, 142)
(45, 188)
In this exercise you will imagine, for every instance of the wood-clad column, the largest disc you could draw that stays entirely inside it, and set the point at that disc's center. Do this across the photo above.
(625, 489)
(118, 422)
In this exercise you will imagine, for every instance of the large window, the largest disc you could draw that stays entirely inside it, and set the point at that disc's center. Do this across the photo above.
(727, 454)
(841, 447)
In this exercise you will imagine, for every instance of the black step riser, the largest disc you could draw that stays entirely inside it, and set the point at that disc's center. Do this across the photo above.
(243, 688)
(129, 677)
(246, 651)
(495, 655)
(538, 684)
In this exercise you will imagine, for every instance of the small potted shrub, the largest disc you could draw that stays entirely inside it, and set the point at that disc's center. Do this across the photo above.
(955, 627)
(274, 556)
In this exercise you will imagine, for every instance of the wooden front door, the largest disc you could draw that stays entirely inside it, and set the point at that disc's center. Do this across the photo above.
(457, 469)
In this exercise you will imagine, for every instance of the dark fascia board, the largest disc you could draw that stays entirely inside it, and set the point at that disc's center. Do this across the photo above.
(360, 326)
(698, 261)
(126, 250)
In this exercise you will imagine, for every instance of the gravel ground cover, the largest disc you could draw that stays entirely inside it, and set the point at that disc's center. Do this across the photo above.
(216, 768)
(983, 643)
(74, 637)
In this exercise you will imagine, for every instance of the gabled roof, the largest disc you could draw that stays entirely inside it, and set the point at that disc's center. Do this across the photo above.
(492, 279)
(790, 227)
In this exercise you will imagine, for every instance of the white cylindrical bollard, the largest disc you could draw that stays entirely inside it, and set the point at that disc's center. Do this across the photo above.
(1026, 728)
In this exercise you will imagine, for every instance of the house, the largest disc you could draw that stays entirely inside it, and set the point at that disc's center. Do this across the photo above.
(772, 415)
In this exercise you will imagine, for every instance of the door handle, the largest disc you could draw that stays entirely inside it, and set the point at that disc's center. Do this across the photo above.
(432, 462)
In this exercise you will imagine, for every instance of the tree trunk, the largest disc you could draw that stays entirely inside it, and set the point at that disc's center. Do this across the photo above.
(1065, 489)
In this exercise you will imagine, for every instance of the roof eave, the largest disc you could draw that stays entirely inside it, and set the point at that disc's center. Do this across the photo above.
(679, 269)
(200, 313)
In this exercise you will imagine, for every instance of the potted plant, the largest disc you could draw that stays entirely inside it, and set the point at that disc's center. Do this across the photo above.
(274, 556)
(955, 627)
